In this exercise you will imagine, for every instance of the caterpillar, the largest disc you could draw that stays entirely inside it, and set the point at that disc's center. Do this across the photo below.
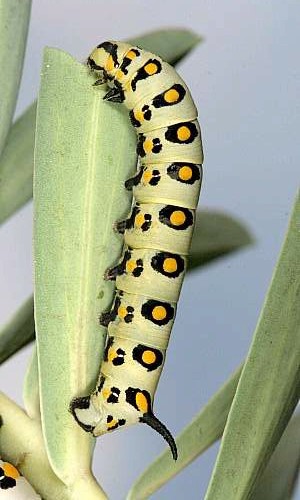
(157, 237)
(13, 485)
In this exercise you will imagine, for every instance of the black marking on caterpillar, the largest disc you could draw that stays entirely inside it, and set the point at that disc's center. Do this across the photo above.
(150, 68)
(111, 49)
(137, 118)
(114, 424)
(168, 264)
(178, 218)
(146, 146)
(170, 97)
(134, 181)
(129, 57)
(159, 313)
(127, 265)
(181, 133)
(187, 173)
(148, 357)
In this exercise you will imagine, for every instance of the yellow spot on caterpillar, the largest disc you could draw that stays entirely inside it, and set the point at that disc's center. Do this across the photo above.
(138, 115)
(147, 176)
(177, 218)
(106, 393)
(130, 266)
(127, 85)
(150, 68)
(148, 145)
(10, 470)
(185, 173)
(111, 355)
(183, 133)
(131, 55)
(170, 265)
(122, 311)
(171, 96)
(109, 66)
(148, 357)
(139, 220)
(159, 312)
(111, 424)
(141, 402)
(119, 75)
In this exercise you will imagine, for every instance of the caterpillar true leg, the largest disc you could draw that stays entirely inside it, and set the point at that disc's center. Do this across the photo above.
(113, 95)
(157, 237)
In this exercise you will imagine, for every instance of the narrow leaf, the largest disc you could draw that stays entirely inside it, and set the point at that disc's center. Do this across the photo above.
(279, 478)
(14, 21)
(81, 164)
(269, 385)
(172, 45)
(215, 235)
(16, 164)
(206, 428)
(31, 395)
(18, 331)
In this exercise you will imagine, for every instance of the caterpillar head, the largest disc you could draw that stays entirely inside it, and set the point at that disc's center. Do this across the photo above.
(112, 408)
(105, 59)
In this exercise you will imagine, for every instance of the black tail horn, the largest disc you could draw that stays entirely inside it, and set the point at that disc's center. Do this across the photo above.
(157, 425)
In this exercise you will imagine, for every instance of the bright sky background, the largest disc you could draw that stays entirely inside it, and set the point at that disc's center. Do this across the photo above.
(245, 80)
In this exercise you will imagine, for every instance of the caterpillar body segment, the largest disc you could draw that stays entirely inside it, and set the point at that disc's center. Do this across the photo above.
(140, 318)
(157, 236)
(175, 183)
(155, 271)
(166, 227)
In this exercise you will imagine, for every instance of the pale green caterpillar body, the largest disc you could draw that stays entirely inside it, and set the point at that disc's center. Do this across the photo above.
(157, 237)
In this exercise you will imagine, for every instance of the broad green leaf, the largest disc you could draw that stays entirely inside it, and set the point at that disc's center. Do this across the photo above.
(171, 45)
(201, 433)
(215, 235)
(269, 385)
(16, 164)
(279, 478)
(85, 149)
(21, 443)
(31, 395)
(14, 21)
(18, 331)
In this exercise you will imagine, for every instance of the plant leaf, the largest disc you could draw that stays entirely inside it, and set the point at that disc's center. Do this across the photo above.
(31, 395)
(18, 332)
(268, 389)
(80, 168)
(172, 45)
(21, 442)
(216, 234)
(279, 478)
(14, 21)
(197, 436)
(16, 164)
